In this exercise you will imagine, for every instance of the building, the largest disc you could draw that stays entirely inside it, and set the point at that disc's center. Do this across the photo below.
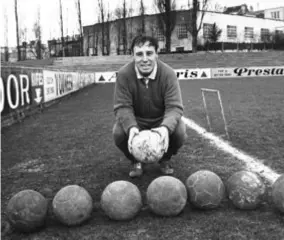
(119, 40)
(271, 13)
(9, 54)
(274, 13)
(236, 28)
(28, 51)
(33, 50)
(72, 46)
(241, 10)
(244, 10)
(238, 24)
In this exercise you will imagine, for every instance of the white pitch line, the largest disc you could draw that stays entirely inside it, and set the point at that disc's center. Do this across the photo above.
(253, 164)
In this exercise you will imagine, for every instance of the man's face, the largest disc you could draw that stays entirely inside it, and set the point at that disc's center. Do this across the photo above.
(145, 58)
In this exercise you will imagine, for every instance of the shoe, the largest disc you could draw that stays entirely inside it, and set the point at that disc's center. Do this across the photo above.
(166, 168)
(136, 170)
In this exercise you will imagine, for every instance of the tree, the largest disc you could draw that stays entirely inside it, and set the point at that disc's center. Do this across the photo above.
(278, 39)
(23, 41)
(218, 8)
(96, 38)
(17, 30)
(129, 33)
(195, 28)
(123, 33)
(142, 14)
(214, 34)
(118, 24)
(6, 34)
(38, 32)
(23, 34)
(78, 7)
(61, 28)
(102, 21)
(66, 28)
(124, 36)
(166, 19)
(108, 31)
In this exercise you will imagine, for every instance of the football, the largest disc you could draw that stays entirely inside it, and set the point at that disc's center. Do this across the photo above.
(27, 210)
(205, 189)
(147, 147)
(245, 189)
(72, 205)
(121, 200)
(277, 193)
(166, 196)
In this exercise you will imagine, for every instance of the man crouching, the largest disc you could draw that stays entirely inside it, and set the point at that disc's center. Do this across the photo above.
(147, 95)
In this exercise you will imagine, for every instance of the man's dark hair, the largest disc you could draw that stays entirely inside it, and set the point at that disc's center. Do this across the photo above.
(141, 39)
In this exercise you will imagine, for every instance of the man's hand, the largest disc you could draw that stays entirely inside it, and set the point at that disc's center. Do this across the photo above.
(164, 133)
(132, 133)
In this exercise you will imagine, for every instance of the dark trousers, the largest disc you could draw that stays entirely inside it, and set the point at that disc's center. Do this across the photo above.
(177, 139)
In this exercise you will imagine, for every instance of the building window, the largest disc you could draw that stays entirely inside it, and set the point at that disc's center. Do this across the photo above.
(275, 15)
(182, 31)
(160, 34)
(90, 42)
(248, 33)
(206, 30)
(231, 31)
(264, 33)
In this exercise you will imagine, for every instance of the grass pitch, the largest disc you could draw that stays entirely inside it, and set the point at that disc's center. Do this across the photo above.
(71, 143)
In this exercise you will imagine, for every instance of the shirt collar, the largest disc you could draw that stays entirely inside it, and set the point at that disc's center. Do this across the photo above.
(152, 76)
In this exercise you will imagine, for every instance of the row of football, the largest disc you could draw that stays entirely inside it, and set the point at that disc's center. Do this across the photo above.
(122, 200)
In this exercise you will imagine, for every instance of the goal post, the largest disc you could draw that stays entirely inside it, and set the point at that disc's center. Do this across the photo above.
(217, 92)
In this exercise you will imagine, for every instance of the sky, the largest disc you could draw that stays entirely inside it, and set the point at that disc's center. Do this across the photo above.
(50, 22)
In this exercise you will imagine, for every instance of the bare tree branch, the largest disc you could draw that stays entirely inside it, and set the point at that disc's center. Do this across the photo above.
(38, 32)
(123, 32)
(102, 20)
(61, 28)
(195, 28)
(203, 9)
(6, 34)
(142, 14)
(66, 24)
(124, 36)
(17, 30)
(108, 30)
(78, 7)
(167, 19)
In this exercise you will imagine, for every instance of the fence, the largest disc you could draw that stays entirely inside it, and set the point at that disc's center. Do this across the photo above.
(243, 46)
(25, 90)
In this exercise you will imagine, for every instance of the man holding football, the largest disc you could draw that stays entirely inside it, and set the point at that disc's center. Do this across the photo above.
(147, 95)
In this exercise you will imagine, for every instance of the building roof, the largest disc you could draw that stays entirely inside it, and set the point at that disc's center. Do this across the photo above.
(257, 12)
(272, 8)
(243, 10)
(230, 10)
(239, 10)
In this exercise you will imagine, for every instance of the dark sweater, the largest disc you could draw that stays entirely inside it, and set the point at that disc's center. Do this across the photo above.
(159, 104)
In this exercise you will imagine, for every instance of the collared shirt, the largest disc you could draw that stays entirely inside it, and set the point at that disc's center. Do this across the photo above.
(152, 76)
